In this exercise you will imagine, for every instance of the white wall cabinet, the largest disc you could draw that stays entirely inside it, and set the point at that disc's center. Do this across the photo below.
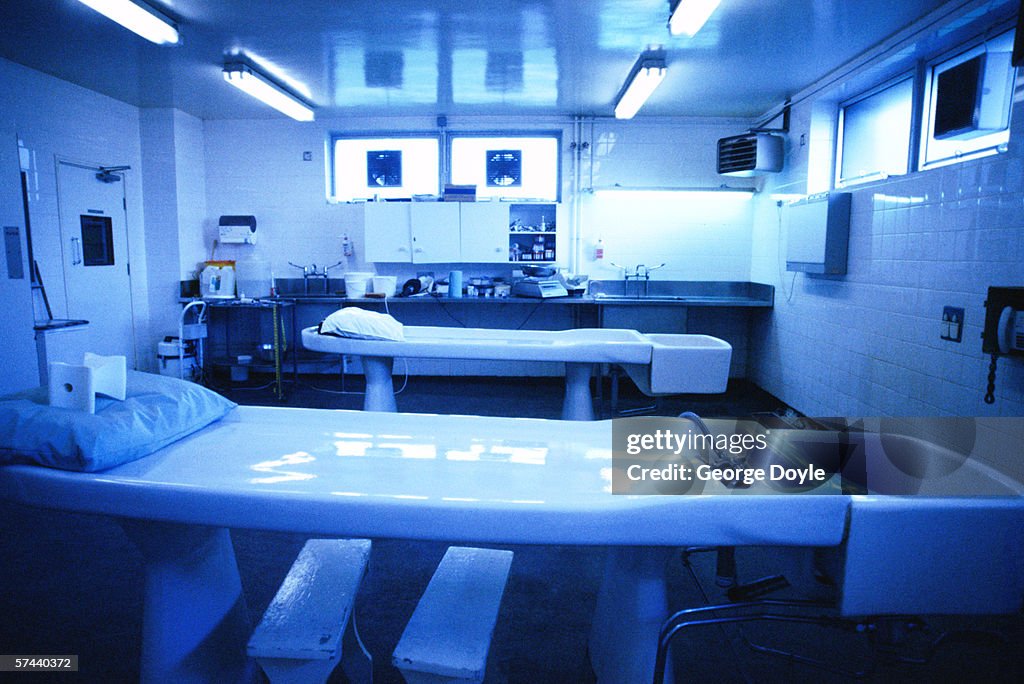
(484, 235)
(387, 236)
(461, 232)
(412, 232)
(434, 227)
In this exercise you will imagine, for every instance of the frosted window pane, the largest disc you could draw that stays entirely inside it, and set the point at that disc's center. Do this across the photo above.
(876, 135)
(538, 166)
(357, 171)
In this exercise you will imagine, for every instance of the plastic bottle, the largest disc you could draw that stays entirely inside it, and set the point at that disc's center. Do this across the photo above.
(599, 250)
(346, 246)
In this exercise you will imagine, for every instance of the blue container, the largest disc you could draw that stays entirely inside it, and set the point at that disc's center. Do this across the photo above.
(455, 284)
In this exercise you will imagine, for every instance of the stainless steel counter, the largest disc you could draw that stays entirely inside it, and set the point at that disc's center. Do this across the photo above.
(658, 293)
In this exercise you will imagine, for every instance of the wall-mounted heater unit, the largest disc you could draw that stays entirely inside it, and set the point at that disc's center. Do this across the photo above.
(238, 230)
(818, 233)
(750, 154)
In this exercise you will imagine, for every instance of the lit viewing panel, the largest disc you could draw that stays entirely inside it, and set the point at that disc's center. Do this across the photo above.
(417, 170)
(538, 166)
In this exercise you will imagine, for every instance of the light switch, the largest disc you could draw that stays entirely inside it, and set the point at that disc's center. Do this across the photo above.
(952, 328)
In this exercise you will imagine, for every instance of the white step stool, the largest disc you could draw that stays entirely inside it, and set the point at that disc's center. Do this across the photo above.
(300, 638)
(449, 633)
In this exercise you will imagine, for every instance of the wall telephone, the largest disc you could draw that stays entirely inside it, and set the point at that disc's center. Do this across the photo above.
(1004, 329)
(1011, 330)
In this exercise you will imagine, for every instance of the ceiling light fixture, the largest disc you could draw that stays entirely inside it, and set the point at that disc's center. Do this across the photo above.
(689, 16)
(253, 83)
(138, 17)
(647, 73)
(647, 194)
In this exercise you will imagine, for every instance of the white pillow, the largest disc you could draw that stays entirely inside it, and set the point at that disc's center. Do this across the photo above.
(362, 324)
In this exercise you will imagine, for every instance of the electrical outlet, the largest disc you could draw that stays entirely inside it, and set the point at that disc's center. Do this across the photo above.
(952, 328)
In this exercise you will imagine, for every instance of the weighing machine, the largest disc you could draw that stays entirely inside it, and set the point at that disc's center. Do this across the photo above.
(541, 288)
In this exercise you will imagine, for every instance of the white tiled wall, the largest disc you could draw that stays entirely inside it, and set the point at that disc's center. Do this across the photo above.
(190, 164)
(19, 349)
(696, 239)
(53, 118)
(174, 191)
(257, 167)
(868, 343)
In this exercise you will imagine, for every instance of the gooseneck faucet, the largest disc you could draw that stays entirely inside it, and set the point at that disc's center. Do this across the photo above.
(713, 456)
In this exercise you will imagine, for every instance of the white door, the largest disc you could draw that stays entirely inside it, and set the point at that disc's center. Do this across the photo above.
(94, 247)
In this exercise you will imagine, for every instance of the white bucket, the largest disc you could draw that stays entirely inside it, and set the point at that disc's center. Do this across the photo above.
(356, 284)
(385, 285)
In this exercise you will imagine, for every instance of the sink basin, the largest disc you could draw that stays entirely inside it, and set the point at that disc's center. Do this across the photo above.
(683, 364)
(311, 295)
(663, 298)
(732, 293)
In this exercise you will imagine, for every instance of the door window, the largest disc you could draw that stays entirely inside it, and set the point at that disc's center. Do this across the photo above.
(97, 240)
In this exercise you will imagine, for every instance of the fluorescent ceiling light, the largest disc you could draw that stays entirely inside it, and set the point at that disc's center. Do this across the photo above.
(140, 18)
(740, 194)
(647, 74)
(250, 81)
(689, 16)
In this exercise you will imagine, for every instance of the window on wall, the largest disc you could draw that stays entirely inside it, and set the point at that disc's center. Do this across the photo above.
(511, 166)
(874, 134)
(967, 103)
(386, 168)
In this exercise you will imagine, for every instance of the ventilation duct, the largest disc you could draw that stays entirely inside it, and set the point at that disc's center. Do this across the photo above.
(750, 154)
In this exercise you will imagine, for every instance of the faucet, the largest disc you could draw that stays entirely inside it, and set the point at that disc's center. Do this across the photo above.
(712, 456)
(312, 272)
(642, 272)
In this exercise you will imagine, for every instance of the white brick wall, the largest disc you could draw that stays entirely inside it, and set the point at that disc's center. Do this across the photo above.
(54, 118)
(868, 343)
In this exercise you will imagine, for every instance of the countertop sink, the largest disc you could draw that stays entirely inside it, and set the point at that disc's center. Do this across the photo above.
(666, 298)
(711, 293)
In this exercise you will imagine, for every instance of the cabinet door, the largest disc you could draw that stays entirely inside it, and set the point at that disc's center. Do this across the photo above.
(435, 232)
(387, 232)
(484, 232)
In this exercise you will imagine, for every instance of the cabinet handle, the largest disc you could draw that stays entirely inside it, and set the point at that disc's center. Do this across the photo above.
(418, 250)
(76, 251)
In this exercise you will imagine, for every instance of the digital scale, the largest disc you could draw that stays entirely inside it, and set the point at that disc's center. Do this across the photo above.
(539, 288)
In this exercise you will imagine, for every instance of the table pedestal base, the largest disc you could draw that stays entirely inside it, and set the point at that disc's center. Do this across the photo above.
(631, 607)
(195, 624)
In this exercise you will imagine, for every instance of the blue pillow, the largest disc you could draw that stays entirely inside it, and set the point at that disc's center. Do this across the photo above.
(157, 410)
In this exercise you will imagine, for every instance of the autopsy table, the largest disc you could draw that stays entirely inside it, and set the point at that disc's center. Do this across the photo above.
(385, 475)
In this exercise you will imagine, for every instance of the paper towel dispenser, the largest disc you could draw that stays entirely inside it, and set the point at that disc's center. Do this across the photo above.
(818, 232)
(238, 230)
